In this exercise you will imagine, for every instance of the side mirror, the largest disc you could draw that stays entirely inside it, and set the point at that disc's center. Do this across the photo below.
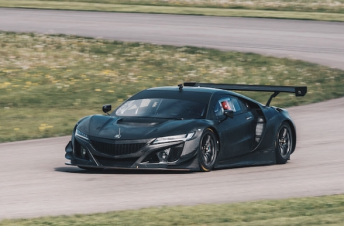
(106, 108)
(228, 113)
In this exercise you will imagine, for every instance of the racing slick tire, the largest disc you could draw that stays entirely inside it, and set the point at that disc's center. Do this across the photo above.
(284, 143)
(207, 150)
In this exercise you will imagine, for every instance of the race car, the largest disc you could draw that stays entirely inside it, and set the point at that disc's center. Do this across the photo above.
(191, 127)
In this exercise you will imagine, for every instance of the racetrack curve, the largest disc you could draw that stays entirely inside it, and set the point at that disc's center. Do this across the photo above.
(314, 41)
(35, 182)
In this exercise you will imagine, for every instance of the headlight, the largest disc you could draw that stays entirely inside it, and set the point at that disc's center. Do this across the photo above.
(81, 134)
(182, 137)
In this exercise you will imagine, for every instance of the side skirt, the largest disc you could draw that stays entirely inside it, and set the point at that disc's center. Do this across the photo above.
(266, 157)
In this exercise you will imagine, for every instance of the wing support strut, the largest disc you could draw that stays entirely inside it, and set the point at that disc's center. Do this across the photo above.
(272, 96)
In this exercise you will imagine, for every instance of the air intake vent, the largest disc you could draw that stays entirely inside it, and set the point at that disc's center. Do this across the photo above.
(80, 151)
(126, 163)
(175, 152)
(259, 128)
(116, 149)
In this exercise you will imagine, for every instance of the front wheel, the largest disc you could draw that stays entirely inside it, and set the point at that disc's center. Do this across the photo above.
(207, 150)
(284, 143)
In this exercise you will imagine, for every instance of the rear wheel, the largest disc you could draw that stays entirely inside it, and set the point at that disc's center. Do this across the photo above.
(207, 150)
(284, 143)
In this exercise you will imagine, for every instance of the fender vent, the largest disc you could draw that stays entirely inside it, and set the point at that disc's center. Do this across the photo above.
(259, 128)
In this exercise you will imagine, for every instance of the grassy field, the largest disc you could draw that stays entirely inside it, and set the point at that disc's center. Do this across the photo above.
(326, 210)
(48, 82)
(330, 10)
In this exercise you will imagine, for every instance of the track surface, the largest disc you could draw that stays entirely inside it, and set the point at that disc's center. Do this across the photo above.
(35, 182)
(314, 41)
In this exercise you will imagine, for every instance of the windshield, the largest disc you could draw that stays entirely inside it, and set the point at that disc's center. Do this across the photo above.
(162, 108)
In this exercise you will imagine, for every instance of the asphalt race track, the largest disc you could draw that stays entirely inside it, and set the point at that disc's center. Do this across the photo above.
(319, 42)
(34, 180)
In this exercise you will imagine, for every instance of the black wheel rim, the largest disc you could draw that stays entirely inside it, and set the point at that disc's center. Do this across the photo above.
(208, 149)
(284, 142)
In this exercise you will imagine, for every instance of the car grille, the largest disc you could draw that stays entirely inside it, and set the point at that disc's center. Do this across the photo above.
(116, 149)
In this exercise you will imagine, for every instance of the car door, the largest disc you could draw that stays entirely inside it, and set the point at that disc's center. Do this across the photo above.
(245, 130)
(237, 132)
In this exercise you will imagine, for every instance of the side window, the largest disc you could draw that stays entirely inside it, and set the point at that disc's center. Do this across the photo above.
(227, 103)
(236, 105)
(244, 106)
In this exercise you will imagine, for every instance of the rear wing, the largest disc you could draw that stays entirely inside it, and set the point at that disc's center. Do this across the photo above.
(298, 90)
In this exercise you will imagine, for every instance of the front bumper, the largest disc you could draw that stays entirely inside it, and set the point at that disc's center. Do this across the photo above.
(129, 159)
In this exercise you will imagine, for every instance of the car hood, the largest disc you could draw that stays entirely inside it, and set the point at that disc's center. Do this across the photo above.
(110, 127)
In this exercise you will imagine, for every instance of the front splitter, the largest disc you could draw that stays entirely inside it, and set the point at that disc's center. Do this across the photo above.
(124, 168)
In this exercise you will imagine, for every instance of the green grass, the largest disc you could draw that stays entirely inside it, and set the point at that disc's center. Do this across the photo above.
(326, 210)
(48, 82)
(304, 9)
